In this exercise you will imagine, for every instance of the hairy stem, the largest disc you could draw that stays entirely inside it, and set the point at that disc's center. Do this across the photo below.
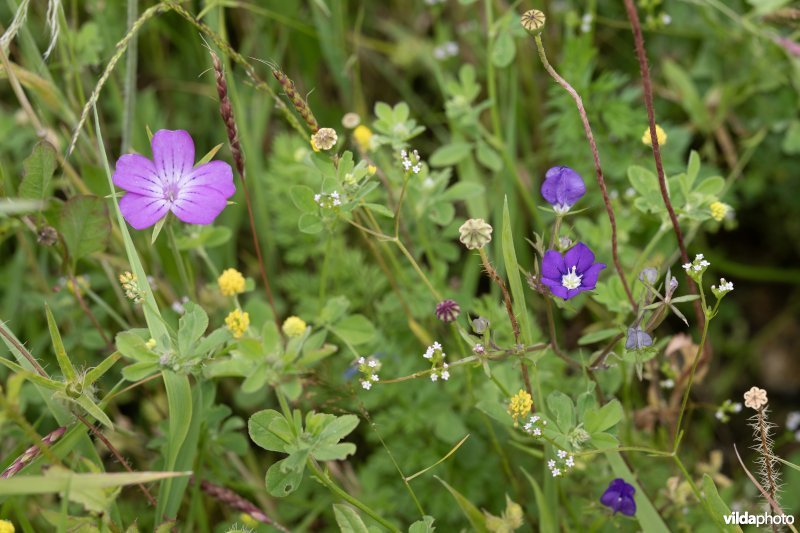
(596, 158)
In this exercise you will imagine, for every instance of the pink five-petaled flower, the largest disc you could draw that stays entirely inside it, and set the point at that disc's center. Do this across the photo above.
(171, 182)
(572, 273)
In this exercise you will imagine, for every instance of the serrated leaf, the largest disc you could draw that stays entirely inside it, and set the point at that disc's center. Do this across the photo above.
(85, 227)
(38, 172)
(422, 526)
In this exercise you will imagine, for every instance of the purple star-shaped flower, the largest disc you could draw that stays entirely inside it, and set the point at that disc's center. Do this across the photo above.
(572, 273)
(619, 497)
(562, 188)
(171, 182)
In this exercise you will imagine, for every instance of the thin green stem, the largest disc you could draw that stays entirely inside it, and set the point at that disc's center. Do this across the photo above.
(176, 255)
(325, 479)
(417, 269)
(694, 368)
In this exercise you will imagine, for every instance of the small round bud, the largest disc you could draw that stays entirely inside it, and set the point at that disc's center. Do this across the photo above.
(480, 324)
(47, 236)
(351, 120)
(475, 233)
(448, 310)
(649, 275)
(533, 21)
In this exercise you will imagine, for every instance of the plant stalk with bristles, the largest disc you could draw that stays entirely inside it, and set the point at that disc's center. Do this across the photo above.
(298, 101)
(762, 445)
(226, 110)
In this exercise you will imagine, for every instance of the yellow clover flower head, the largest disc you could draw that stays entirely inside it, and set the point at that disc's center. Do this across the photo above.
(294, 326)
(231, 282)
(237, 322)
(6, 527)
(661, 135)
(719, 210)
(520, 406)
(362, 136)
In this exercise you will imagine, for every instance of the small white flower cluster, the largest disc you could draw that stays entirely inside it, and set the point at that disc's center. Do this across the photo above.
(565, 463)
(439, 369)
(442, 373)
(586, 22)
(726, 409)
(534, 426)
(328, 201)
(369, 367)
(412, 162)
(724, 286)
(479, 349)
(697, 265)
(666, 20)
(446, 50)
(668, 383)
(177, 305)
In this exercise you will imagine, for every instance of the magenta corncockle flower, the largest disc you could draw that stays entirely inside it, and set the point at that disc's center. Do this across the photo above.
(619, 497)
(171, 182)
(572, 273)
(562, 188)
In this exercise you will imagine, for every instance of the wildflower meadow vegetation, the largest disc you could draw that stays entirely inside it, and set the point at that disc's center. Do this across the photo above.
(431, 265)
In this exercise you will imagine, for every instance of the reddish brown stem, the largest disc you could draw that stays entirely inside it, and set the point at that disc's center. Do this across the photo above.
(601, 182)
(226, 110)
(118, 456)
(230, 498)
(647, 89)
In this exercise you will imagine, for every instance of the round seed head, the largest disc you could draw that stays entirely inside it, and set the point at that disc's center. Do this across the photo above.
(475, 233)
(533, 21)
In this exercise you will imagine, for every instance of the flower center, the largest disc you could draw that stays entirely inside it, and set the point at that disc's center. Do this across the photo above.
(171, 192)
(571, 280)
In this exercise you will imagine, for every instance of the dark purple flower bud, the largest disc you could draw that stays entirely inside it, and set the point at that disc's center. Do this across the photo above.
(562, 188)
(448, 310)
(570, 274)
(638, 339)
(619, 497)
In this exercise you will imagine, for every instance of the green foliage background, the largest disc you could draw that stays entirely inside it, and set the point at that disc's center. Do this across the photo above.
(726, 87)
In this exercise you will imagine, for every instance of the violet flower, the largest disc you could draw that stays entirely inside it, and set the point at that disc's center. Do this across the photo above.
(619, 497)
(572, 273)
(171, 182)
(562, 188)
